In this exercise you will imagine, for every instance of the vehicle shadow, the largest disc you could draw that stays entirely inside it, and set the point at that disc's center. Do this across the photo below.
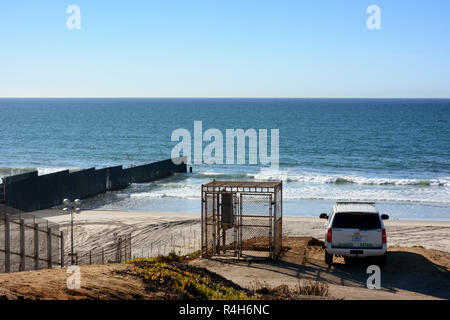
(404, 271)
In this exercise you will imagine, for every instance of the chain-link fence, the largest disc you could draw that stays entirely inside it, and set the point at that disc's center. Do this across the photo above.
(242, 219)
(255, 224)
(24, 244)
(118, 251)
(181, 242)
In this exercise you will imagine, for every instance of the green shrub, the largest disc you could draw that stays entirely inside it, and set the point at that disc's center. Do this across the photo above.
(188, 284)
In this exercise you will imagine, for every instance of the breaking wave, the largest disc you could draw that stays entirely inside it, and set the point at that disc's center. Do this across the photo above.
(318, 178)
(308, 187)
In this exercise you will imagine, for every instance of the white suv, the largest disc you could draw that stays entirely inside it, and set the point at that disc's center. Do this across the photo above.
(355, 229)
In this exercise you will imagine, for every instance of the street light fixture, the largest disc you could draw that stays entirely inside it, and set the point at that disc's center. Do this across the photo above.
(72, 207)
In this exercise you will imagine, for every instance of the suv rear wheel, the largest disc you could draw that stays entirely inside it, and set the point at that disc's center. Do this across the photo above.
(328, 258)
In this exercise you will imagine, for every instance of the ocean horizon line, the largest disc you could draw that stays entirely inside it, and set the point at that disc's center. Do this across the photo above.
(231, 98)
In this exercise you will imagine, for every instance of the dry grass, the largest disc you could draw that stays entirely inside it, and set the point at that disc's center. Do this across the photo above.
(312, 288)
(303, 288)
(171, 257)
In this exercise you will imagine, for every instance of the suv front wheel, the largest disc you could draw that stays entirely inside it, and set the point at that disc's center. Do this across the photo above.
(328, 258)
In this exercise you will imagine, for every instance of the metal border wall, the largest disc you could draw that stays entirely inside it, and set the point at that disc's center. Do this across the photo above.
(29, 192)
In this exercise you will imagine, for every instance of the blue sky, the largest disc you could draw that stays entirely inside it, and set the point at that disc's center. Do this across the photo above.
(224, 48)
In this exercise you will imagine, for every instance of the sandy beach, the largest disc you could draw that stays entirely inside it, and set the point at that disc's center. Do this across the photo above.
(152, 233)
(95, 228)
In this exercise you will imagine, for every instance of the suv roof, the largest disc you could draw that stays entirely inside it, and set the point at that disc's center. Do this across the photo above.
(368, 207)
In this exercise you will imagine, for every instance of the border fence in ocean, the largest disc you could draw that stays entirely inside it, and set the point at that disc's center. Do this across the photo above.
(30, 191)
(29, 243)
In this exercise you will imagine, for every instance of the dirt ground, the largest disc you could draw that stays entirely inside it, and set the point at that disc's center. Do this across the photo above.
(410, 273)
(104, 282)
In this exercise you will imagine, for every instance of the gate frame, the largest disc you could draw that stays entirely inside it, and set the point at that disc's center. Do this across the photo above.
(212, 191)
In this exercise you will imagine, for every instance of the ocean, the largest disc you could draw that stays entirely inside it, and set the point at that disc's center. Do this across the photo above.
(395, 152)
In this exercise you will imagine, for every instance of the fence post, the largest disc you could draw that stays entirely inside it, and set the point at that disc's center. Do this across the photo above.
(120, 251)
(194, 241)
(90, 257)
(7, 245)
(103, 255)
(49, 247)
(62, 249)
(126, 247)
(22, 245)
(36, 246)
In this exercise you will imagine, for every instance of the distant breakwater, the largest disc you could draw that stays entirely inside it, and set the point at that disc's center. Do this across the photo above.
(30, 191)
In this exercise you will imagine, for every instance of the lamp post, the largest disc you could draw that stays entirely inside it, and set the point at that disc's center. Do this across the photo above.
(72, 207)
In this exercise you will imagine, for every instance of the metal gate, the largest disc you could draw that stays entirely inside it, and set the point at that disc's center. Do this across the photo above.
(219, 234)
(255, 225)
(241, 221)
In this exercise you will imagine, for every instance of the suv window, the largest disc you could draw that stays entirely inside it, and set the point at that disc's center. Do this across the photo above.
(356, 220)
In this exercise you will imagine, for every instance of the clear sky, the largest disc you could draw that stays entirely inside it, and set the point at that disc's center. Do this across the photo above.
(225, 48)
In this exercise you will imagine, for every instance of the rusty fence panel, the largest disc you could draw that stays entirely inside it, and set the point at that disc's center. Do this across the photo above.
(27, 243)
